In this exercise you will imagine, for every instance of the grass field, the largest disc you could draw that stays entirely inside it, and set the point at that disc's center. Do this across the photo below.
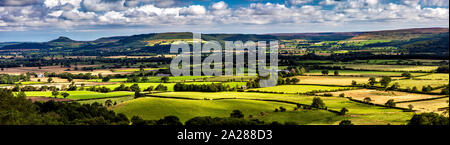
(75, 95)
(362, 73)
(293, 89)
(133, 69)
(419, 83)
(358, 113)
(434, 76)
(332, 80)
(390, 67)
(381, 97)
(157, 108)
(427, 106)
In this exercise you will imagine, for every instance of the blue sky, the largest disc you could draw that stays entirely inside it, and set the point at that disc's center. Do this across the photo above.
(43, 20)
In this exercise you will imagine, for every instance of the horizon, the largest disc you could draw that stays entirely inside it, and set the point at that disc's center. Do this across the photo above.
(83, 20)
(57, 37)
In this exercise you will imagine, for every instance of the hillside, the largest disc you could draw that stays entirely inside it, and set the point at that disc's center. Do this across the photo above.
(434, 40)
(402, 34)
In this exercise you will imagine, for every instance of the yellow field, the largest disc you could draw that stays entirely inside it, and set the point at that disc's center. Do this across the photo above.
(427, 106)
(332, 80)
(381, 97)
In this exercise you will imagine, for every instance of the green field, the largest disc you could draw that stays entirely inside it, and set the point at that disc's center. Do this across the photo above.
(358, 113)
(434, 76)
(157, 108)
(419, 83)
(293, 89)
(76, 95)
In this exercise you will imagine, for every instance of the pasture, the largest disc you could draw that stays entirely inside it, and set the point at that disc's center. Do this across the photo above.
(405, 83)
(403, 68)
(362, 73)
(426, 106)
(358, 113)
(331, 80)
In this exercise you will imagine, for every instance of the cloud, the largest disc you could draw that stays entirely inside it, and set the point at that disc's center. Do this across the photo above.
(19, 2)
(72, 14)
(193, 10)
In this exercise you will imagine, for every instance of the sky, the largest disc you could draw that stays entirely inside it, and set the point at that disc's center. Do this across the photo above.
(44, 20)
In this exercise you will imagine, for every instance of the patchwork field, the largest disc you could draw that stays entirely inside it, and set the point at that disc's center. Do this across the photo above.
(381, 97)
(358, 113)
(293, 89)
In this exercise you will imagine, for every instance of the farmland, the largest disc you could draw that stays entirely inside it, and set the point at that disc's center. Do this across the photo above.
(294, 89)
(76, 95)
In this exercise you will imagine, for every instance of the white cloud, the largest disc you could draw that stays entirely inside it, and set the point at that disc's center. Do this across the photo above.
(193, 10)
(92, 13)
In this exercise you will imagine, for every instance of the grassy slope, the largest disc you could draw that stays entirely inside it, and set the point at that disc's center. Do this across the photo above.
(358, 113)
(156, 108)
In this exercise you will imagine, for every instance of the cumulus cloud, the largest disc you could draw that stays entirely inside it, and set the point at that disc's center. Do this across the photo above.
(19, 2)
(20, 15)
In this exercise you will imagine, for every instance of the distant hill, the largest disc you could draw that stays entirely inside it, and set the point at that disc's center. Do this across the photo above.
(416, 40)
(402, 34)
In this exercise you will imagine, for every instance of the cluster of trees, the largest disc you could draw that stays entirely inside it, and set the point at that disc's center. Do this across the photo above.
(292, 71)
(428, 119)
(17, 110)
(287, 81)
(66, 75)
(11, 79)
(213, 87)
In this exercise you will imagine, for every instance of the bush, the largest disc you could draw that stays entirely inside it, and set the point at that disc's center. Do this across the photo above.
(428, 119)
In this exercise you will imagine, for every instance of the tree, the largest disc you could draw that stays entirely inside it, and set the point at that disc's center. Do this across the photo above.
(372, 81)
(354, 83)
(65, 94)
(390, 103)
(395, 86)
(367, 100)
(342, 95)
(21, 94)
(55, 93)
(236, 114)
(325, 72)
(410, 107)
(50, 79)
(385, 80)
(165, 79)
(346, 122)
(343, 111)
(106, 79)
(407, 75)
(317, 103)
(70, 79)
(428, 119)
(108, 103)
(295, 80)
(135, 87)
(336, 73)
